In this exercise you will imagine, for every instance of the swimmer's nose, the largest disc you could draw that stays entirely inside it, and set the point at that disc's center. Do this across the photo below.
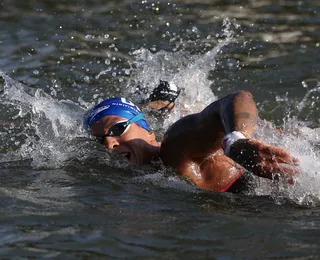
(111, 142)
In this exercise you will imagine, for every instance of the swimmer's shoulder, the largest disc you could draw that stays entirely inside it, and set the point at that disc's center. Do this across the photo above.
(182, 126)
(175, 144)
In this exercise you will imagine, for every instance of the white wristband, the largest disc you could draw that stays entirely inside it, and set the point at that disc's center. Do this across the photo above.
(229, 139)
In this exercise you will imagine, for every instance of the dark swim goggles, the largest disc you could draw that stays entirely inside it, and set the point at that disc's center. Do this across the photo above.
(120, 127)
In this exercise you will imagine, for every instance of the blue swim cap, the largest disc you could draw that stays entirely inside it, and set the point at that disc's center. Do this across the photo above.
(115, 107)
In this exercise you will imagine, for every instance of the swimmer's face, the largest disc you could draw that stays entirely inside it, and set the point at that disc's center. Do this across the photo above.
(135, 143)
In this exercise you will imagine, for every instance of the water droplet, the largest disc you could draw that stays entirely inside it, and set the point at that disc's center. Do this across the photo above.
(195, 29)
(86, 79)
(304, 84)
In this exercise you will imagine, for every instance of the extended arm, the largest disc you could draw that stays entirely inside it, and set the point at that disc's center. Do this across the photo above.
(238, 112)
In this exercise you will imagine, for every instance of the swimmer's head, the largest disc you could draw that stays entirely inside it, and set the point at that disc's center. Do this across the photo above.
(120, 126)
(115, 107)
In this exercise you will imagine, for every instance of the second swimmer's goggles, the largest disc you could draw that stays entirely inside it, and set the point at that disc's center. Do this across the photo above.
(120, 127)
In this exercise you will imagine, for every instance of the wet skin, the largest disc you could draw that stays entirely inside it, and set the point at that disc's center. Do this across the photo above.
(192, 145)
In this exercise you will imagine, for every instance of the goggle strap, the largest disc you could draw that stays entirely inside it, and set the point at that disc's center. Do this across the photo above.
(136, 118)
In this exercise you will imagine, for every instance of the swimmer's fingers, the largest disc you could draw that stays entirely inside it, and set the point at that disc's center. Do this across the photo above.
(289, 169)
(282, 156)
(262, 159)
(168, 108)
(273, 153)
(270, 168)
(162, 106)
(275, 171)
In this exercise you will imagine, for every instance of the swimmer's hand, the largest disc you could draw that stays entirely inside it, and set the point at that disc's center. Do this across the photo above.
(162, 97)
(262, 159)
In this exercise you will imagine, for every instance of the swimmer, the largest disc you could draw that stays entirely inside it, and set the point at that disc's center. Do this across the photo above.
(213, 148)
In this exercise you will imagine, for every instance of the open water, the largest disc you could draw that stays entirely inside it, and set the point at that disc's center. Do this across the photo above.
(62, 196)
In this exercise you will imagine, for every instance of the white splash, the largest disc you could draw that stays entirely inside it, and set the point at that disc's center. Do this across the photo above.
(302, 142)
(186, 72)
(50, 125)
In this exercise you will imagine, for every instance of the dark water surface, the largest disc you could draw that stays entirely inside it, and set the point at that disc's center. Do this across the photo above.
(63, 196)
